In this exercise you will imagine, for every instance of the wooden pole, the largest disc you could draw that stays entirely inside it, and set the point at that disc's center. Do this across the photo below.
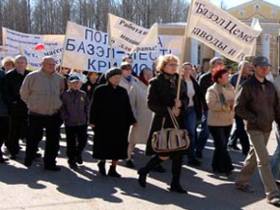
(62, 54)
(111, 57)
(183, 54)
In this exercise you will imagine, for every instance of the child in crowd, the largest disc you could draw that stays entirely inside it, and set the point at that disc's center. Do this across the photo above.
(75, 116)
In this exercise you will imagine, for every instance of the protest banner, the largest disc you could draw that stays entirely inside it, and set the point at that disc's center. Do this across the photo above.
(26, 44)
(221, 31)
(131, 37)
(88, 49)
(6, 51)
(34, 47)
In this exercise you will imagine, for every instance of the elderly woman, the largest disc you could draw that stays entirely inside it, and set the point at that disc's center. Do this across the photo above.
(8, 63)
(161, 96)
(140, 132)
(111, 116)
(220, 100)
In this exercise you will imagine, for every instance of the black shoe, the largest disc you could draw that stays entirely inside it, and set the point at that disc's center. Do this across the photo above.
(198, 154)
(158, 169)
(13, 157)
(27, 163)
(113, 173)
(79, 159)
(234, 147)
(3, 160)
(130, 164)
(194, 162)
(275, 201)
(73, 165)
(177, 188)
(38, 155)
(142, 177)
(101, 168)
(52, 168)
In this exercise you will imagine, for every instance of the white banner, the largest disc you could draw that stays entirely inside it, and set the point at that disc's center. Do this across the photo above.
(99, 56)
(88, 49)
(26, 44)
(221, 31)
(7, 51)
(130, 37)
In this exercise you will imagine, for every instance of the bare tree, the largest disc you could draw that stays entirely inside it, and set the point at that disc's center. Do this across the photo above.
(51, 16)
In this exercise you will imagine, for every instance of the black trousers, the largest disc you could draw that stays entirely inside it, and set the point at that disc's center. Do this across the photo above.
(221, 161)
(18, 128)
(4, 132)
(76, 137)
(240, 133)
(176, 166)
(36, 124)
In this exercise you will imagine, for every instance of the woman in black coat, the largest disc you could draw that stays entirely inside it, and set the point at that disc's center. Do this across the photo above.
(111, 116)
(161, 96)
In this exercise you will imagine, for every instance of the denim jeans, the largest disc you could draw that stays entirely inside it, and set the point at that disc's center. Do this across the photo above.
(203, 136)
(239, 132)
(190, 126)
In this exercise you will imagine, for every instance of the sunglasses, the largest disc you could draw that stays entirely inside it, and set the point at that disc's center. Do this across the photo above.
(172, 64)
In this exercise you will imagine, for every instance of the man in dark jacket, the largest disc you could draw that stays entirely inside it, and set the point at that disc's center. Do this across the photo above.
(257, 103)
(205, 82)
(4, 118)
(16, 107)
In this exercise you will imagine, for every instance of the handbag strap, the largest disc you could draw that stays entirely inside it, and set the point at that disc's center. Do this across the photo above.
(163, 122)
(173, 118)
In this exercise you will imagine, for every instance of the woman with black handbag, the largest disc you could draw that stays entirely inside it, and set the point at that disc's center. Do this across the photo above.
(162, 93)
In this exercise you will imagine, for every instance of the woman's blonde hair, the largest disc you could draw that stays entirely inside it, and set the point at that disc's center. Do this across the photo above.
(8, 59)
(163, 60)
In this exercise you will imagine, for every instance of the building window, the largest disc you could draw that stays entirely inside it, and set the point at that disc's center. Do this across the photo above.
(257, 7)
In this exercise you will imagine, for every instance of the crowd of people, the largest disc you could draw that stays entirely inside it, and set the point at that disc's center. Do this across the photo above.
(124, 109)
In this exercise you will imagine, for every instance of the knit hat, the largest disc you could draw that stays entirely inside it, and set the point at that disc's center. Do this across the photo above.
(218, 74)
(112, 72)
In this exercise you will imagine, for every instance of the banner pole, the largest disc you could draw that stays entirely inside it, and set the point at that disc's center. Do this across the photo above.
(183, 55)
(62, 54)
(111, 51)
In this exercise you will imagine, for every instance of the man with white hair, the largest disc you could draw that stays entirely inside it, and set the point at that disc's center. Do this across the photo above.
(16, 107)
(41, 91)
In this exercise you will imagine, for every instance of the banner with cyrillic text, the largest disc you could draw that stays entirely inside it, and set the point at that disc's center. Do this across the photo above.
(26, 44)
(88, 49)
(221, 31)
(131, 37)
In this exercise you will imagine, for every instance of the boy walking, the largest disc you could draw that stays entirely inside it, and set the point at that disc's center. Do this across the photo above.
(75, 116)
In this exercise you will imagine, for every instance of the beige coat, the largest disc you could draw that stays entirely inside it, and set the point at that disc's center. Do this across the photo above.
(41, 92)
(138, 97)
(219, 114)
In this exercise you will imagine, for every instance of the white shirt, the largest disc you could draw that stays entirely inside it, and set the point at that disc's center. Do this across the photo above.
(191, 92)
